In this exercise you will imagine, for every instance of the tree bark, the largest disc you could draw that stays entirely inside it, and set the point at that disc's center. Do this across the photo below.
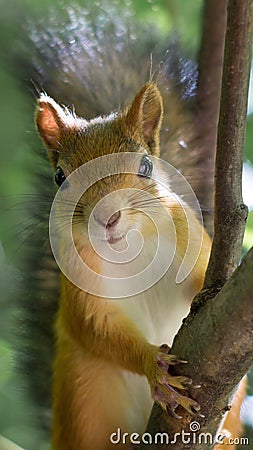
(217, 337)
(217, 341)
(230, 212)
(208, 97)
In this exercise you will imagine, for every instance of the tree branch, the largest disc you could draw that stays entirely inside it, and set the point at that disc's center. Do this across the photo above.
(208, 95)
(230, 212)
(217, 341)
(210, 68)
(217, 338)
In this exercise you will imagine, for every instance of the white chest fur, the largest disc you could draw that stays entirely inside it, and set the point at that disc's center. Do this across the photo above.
(157, 311)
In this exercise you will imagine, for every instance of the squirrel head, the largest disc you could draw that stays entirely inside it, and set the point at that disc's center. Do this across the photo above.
(72, 142)
(118, 201)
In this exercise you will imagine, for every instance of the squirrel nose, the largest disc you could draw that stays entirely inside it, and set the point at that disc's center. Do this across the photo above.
(114, 219)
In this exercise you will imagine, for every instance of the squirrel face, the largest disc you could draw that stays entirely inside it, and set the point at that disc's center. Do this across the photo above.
(121, 209)
(117, 210)
(72, 142)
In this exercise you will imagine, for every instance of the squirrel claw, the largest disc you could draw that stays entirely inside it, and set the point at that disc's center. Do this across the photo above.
(169, 401)
(165, 359)
(179, 382)
(165, 386)
(171, 410)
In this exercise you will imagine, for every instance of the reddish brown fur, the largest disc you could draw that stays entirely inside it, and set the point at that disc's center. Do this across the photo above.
(95, 338)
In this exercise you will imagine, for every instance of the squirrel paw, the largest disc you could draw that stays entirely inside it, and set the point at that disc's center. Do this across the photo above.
(163, 383)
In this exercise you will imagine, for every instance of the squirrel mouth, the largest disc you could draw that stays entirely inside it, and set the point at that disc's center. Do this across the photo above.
(113, 240)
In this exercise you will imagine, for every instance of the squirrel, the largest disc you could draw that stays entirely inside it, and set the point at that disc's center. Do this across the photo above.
(106, 347)
(103, 345)
(111, 361)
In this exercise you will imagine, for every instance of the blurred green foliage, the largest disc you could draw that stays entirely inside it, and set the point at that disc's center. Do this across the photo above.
(17, 137)
(249, 140)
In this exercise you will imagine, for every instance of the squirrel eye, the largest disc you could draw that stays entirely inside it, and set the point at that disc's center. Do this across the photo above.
(59, 176)
(146, 167)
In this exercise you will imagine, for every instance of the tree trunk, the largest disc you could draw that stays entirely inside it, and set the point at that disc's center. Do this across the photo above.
(216, 338)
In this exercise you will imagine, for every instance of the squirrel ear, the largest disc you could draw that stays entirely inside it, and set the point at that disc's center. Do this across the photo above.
(51, 122)
(144, 116)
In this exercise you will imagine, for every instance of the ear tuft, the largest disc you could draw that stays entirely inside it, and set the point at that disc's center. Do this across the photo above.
(51, 121)
(144, 117)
